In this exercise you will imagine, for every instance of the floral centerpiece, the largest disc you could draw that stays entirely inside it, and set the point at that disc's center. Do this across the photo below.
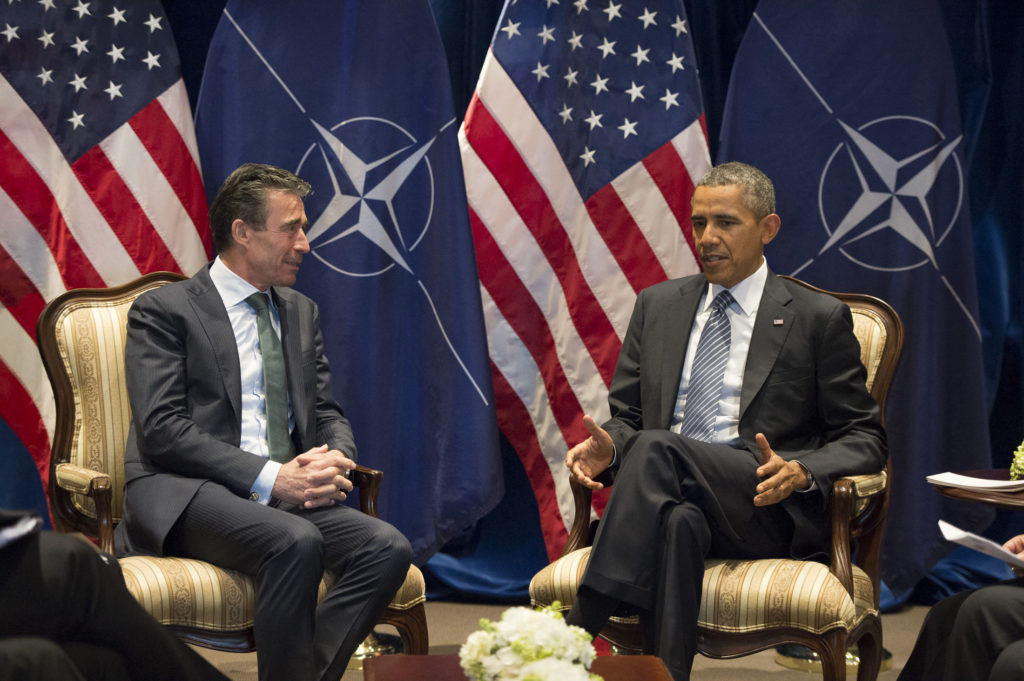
(1017, 465)
(528, 645)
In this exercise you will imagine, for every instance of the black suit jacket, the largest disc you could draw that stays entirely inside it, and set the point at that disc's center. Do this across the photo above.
(803, 386)
(184, 386)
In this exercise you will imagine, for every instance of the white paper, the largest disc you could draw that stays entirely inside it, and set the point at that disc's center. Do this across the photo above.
(25, 526)
(973, 541)
(967, 482)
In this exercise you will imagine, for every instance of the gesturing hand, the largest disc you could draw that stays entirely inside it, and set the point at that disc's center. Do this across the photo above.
(779, 478)
(589, 458)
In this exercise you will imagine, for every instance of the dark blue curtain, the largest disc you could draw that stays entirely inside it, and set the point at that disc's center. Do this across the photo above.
(985, 36)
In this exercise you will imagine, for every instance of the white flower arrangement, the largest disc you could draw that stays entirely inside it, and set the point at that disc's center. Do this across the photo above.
(528, 645)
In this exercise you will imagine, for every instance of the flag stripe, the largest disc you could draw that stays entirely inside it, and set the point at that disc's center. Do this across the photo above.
(19, 295)
(156, 207)
(508, 169)
(526, 418)
(34, 200)
(121, 211)
(527, 321)
(514, 419)
(518, 248)
(21, 416)
(26, 247)
(177, 163)
(616, 225)
(517, 120)
(676, 168)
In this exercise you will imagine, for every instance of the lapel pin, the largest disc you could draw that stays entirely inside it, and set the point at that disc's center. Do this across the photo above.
(778, 322)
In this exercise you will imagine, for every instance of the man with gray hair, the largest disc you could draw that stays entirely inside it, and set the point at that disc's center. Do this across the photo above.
(737, 399)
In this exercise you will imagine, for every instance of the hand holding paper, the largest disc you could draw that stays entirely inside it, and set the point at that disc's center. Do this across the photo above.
(973, 541)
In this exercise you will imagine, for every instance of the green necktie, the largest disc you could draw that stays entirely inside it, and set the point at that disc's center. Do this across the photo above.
(276, 393)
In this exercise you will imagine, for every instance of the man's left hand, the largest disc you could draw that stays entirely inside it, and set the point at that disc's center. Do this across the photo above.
(779, 478)
(328, 476)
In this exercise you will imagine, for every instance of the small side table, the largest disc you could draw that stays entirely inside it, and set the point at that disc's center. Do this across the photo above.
(1011, 500)
(446, 668)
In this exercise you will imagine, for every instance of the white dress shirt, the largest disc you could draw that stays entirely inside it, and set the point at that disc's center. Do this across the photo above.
(741, 314)
(233, 291)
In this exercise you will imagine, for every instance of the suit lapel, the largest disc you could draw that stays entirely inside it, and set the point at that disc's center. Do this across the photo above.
(678, 321)
(213, 318)
(767, 339)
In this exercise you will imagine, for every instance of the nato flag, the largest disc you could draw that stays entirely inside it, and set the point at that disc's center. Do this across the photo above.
(355, 98)
(851, 109)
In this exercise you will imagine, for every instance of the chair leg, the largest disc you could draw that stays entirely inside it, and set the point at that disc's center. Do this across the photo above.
(869, 649)
(412, 628)
(833, 656)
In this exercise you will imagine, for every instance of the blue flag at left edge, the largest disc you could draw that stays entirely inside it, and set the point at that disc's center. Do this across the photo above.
(355, 98)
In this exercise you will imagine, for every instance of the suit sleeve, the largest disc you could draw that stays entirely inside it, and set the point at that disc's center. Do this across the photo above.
(167, 382)
(624, 395)
(849, 420)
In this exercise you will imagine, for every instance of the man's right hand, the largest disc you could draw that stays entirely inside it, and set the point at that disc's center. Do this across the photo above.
(318, 477)
(589, 458)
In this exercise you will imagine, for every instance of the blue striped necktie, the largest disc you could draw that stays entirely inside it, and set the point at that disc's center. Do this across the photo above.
(707, 372)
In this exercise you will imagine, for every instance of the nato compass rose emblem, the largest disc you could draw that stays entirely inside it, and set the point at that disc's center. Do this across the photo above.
(379, 186)
(876, 195)
(866, 188)
(363, 189)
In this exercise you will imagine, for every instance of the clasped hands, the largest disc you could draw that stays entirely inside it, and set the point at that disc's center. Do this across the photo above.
(318, 477)
(779, 478)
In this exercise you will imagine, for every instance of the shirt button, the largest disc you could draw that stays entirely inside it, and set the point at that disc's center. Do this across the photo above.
(254, 496)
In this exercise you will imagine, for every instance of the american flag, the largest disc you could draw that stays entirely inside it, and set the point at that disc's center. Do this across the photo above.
(100, 178)
(581, 147)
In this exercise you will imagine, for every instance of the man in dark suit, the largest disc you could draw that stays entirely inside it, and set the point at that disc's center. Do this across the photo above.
(731, 414)
(242, 462)
(66, 615)
(974, 635)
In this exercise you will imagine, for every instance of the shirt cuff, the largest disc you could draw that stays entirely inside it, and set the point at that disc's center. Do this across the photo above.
(264, 485)
(814, 485)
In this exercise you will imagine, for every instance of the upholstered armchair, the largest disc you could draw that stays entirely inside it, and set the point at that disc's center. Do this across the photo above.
(752, 605)
(81, 337)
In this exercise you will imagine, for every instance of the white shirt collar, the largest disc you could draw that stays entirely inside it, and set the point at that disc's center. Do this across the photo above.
(747, 293)
(231, 287)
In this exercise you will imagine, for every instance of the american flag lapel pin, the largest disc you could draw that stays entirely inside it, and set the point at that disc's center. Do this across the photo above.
(778, 322)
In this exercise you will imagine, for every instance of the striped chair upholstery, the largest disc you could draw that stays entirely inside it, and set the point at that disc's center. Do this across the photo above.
(747, 606)
(81, 337)
(189, 595)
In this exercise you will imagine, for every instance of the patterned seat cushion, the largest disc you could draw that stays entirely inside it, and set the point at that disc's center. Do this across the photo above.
(191, 593)
(743, 595)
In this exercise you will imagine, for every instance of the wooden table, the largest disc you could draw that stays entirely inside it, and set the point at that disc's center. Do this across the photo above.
(446, 668)
(1011, 500)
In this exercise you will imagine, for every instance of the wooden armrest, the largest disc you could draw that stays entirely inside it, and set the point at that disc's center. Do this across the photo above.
(579, 533)
(841, 559)
(367, 481)
(859, 504)
(868, 485)
(80, 479)
(96, 486)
